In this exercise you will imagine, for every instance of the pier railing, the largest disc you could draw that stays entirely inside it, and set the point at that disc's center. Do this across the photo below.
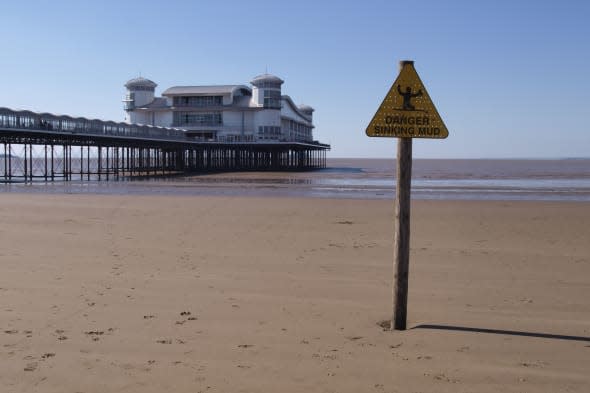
(49, 123)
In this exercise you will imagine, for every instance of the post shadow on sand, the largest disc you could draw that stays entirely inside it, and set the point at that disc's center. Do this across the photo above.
(503, 332)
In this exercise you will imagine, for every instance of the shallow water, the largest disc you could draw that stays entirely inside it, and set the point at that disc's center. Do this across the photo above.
(549, 180)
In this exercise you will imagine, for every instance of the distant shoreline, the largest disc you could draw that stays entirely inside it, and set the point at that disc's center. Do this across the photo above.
(471, 159)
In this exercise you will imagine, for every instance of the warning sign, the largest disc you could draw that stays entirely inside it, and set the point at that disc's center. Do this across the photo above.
(407, 111)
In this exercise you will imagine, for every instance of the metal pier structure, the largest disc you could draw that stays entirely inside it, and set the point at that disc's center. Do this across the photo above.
(43, 146)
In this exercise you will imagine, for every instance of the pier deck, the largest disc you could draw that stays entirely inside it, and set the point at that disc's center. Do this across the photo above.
(49, 147)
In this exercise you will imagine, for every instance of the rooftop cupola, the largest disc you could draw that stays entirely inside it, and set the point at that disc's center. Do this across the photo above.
(267, 91)
(307, 111)
(267, 80)
(140, 92)
(141, 83)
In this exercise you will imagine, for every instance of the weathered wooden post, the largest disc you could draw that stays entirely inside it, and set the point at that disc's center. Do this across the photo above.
(401, 234)
(406, 113)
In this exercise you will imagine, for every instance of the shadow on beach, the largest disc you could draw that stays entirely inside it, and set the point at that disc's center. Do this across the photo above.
(503, 332)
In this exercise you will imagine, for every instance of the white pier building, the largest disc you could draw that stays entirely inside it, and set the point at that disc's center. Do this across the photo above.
(222, 113)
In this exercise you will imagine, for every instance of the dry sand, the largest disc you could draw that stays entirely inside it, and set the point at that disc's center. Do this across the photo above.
(175, 294)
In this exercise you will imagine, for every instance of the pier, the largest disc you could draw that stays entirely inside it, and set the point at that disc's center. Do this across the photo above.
(48, 147)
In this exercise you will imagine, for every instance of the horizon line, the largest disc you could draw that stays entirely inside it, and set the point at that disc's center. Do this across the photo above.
(465, 158)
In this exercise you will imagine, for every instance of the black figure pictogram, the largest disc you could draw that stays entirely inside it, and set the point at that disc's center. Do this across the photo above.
(408, 97)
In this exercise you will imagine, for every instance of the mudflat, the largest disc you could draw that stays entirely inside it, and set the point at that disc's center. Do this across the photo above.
(229, 294)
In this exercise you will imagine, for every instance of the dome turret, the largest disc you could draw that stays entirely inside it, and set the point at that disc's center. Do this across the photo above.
(306, 109)
(267, 91)
(140, 92)
(141, 83)
(267, 80)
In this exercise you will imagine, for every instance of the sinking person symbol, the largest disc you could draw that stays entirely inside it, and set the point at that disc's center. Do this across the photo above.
(407, 96)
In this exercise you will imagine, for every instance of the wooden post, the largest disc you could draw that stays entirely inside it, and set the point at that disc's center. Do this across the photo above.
(401, 242)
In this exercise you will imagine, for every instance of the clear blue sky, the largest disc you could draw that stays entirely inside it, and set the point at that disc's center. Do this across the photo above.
(510, 78)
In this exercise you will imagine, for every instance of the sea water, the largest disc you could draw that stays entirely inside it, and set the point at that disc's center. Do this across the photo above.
(542, 180)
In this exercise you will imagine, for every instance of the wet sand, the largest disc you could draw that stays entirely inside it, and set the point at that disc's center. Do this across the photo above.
(214, 294)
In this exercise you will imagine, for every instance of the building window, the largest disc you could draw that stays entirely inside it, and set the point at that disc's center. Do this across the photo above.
(299, 131)
(142, 88)
(129, 101)
(197, 119)
(198, 101)
(272, 99)
(268, 85)
(269, 132)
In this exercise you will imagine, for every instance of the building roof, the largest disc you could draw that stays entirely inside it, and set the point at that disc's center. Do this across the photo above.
(140, 82)
(306, 108)
(203, 90)
(267, 78)
(157, 103)
(304, 114)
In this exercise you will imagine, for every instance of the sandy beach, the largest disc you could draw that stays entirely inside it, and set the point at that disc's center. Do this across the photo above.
(228, 294)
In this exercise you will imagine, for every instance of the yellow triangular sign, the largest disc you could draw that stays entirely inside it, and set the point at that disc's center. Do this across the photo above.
(407, 111)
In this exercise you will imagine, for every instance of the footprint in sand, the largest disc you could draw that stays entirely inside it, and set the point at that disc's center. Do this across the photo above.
(94, 334)
(354, 338)
(445, 378)
(385, 324)
(164, 341)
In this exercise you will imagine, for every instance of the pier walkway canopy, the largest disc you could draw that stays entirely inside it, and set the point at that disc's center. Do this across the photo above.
(49, 123)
